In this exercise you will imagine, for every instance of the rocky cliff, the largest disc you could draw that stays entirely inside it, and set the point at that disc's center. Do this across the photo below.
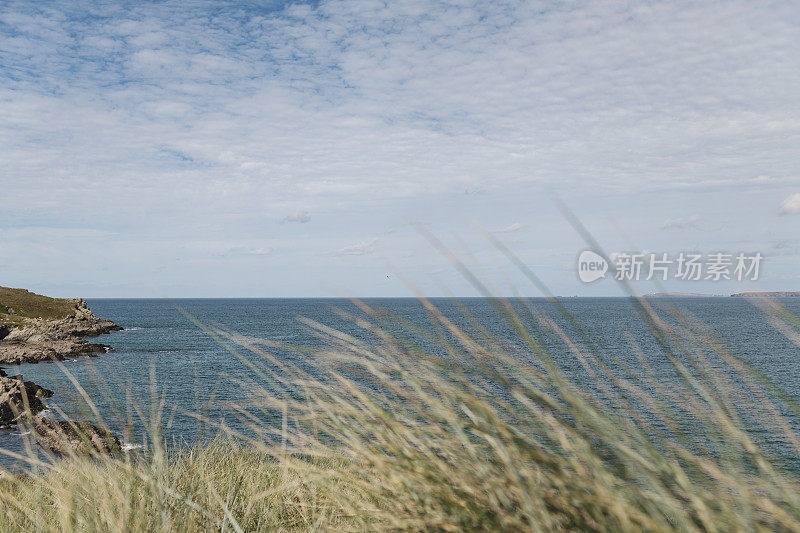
(35, 328)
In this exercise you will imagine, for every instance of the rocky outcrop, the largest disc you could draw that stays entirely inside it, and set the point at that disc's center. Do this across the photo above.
(33, 340)
(67, 437)
(15, 394)
(35, 328)
(21, 403)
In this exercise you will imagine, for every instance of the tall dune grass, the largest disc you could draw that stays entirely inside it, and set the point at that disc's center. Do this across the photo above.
(448, 427)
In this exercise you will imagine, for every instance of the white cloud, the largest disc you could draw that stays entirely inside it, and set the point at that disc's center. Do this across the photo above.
(251, 251)
(681, 223)
(300, 216)
(362, 248)
(790, 206)
(764, 179)
(516, 226)
(36, 233)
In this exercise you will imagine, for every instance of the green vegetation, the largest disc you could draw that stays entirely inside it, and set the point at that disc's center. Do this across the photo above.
(26, 304)
(438, 429)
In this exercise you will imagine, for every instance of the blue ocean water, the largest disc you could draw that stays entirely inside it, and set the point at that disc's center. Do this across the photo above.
(193, 372)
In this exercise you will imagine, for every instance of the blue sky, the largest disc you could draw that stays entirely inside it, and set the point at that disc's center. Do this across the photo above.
(194, 148)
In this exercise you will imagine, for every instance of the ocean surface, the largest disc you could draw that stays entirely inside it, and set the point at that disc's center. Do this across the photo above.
(163, 356)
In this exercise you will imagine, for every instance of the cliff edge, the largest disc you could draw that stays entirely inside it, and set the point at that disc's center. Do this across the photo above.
(35, 328)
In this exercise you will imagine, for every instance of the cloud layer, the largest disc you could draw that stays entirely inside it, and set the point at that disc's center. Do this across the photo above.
(681, 223)
(299, 216)
(173, 122)
(791, 206)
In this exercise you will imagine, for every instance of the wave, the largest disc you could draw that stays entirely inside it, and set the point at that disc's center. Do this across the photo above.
(126, 446)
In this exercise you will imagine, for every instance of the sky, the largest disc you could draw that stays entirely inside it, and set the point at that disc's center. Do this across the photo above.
(276, 149)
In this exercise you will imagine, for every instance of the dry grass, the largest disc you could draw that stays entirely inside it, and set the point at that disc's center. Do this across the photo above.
(219, 486)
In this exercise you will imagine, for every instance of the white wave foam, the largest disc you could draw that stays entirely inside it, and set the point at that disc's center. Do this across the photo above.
(126, 446)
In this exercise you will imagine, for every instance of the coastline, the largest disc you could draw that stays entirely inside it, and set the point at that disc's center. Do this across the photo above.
(55, 335)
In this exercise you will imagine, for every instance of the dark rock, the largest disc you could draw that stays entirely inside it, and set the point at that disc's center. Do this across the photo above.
(14, 392)
(81, 437)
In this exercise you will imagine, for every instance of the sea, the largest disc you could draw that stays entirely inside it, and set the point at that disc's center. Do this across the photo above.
(167, 363)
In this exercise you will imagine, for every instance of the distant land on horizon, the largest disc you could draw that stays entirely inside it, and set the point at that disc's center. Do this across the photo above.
(683, 294)
(11, 297)
(766, 294)
(777, 294)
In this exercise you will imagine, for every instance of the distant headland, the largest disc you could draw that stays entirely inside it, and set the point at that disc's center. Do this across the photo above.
(681, 295)
(780, 294)
(35, 328)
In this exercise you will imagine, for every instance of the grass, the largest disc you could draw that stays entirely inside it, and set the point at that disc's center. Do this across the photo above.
(196, 490)
(30, 305)
(446, 427)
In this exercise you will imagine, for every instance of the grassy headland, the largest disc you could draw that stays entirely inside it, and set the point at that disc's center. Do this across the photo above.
(18, 304)
(35, 328)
